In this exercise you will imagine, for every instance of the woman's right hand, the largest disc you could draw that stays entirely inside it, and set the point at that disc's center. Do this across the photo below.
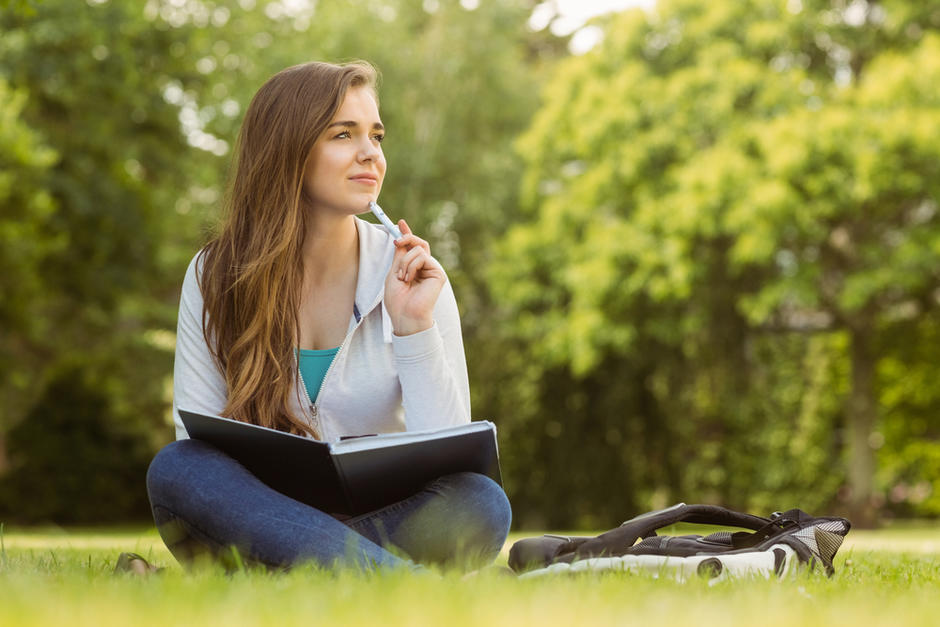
(413, 284)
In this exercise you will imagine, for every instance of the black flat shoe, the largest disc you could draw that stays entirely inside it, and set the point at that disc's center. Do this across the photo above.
(134, 564)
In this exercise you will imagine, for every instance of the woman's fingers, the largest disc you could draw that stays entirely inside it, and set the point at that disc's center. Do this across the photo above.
(411, 262)
(412, 255)
(409, 240)
(423, 267)
(413, 258)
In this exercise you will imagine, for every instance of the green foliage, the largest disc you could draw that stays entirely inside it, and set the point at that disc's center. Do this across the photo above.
(25, 7)
(25, 237)
(93, 79)
(710, 180)
(72, 462)
(909, 441)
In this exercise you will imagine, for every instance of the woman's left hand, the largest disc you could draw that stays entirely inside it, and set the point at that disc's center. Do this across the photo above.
(413, 284)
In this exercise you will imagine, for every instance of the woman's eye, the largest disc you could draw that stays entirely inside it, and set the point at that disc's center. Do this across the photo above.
(379, 138)
(344, 135)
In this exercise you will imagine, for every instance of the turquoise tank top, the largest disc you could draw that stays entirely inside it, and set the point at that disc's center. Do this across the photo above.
(313, 365)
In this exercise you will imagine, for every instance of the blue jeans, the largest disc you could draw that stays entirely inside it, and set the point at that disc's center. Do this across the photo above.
(206, 503)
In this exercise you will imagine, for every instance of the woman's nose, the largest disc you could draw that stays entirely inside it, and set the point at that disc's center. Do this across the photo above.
(369, 151)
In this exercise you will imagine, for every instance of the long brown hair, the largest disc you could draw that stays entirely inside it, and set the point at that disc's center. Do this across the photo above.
(253, 269)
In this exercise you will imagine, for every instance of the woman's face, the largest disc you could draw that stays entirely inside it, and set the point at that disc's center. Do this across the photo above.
(346, 165)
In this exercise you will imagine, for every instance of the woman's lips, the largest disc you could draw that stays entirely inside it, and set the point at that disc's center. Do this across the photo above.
(365, 179)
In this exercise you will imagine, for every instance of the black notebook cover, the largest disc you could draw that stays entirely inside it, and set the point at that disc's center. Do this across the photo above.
(354, 476)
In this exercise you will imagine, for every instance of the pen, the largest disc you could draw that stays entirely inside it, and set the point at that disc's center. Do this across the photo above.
(388, 224)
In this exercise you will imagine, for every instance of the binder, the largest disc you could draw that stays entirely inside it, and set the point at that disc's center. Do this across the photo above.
(354, 475)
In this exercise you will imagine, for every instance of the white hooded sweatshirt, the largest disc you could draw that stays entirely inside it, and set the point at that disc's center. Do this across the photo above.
(378, 382)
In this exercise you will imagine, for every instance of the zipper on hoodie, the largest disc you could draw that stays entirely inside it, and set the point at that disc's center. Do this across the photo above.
(310, 406)
(314, 406)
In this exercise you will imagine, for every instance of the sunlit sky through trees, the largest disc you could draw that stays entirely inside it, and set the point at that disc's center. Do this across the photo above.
(565, 17)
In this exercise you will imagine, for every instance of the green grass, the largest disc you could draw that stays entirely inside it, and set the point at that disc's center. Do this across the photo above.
(52, 577)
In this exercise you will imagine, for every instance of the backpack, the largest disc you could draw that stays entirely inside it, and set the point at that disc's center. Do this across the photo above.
(774, 546)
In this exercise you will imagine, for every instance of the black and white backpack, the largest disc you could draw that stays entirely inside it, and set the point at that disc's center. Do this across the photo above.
(774, 546)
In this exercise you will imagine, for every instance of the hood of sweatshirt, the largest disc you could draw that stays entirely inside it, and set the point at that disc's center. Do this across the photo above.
(373, 268)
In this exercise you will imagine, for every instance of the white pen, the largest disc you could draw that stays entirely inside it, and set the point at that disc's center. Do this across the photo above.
(388, 224)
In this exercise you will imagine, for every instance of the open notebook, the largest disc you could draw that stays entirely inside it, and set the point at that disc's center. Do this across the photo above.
(355, 475)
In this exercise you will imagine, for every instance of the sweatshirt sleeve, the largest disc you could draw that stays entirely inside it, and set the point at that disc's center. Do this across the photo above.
(198, 385)
(432, 370)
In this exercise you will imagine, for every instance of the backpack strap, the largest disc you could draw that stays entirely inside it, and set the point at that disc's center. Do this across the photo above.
(617, 541)
(541, 551)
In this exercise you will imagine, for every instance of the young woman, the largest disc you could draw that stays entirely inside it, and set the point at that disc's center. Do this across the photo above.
(301, 317)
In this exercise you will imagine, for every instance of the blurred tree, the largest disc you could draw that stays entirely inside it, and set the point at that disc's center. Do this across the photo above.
(908, 441)
(711, 176)
(25, 240)
(73, 461)
(86, 279)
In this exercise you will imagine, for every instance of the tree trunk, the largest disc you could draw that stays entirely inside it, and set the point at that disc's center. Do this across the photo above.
(860, 422)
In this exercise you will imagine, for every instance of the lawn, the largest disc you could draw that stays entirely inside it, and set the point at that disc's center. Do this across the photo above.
(53, 577)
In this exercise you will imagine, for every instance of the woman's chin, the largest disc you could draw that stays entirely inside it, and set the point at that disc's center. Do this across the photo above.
(363, 207)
